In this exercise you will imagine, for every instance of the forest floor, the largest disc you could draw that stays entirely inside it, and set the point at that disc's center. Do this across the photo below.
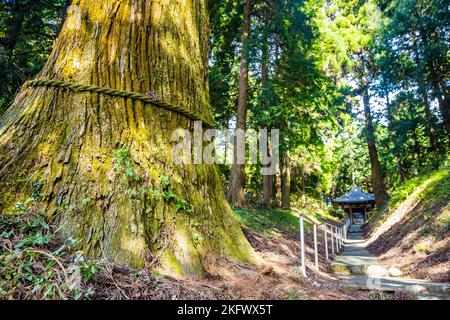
(46, 273)
(274, 236)
(277, 278)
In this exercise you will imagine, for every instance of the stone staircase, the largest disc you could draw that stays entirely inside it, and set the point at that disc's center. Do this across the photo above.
(355, 258)
(355, 265)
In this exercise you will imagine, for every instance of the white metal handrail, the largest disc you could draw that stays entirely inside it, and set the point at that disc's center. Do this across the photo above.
(338, 235)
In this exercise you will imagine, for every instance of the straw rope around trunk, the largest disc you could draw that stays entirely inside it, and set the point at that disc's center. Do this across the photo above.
(147, 98)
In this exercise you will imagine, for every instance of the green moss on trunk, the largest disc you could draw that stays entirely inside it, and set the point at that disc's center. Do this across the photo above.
(68, 141)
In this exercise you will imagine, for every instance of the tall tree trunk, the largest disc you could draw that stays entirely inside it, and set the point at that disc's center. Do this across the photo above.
(285, 181)
(436, 83)
(267, 189)
(267, 180)
(377, 174)
(431, 132)
(401, 171)
(96, 156)
(398, 156)
(276, 189)
(276, 180)
(235, 194)
(442, 97)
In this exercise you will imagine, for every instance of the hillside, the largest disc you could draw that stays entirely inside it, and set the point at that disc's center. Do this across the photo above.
(413, 232)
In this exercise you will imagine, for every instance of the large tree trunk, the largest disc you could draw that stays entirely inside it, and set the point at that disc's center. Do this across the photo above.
(235, 193)
(75, 144)
(377, 175)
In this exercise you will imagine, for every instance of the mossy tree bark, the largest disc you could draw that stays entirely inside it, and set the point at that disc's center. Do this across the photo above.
(67, 142)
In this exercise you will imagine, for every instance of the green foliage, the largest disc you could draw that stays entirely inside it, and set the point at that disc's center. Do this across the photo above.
(34, 264)
(166, 195)
(27, 31)
(197, 238)
(37, 189)
(123, 162)
(412, 56)
(378, 295)
(444, 222)
(391, 45)
(85, 202)
(88, 268)
(164, 182)
(293, 294)
(19, 207)
(295, 96)
(138, 190)
(421, 248)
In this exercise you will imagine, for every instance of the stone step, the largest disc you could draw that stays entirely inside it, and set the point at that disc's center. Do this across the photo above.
(366, 270)
(422, 289)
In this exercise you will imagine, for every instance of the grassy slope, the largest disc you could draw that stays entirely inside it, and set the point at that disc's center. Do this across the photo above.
(271, 222)
(413, 232)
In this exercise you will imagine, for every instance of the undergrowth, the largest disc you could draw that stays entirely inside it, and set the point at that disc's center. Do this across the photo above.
(35, 264)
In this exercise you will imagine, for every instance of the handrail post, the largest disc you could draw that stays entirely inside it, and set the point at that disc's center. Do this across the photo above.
(326, 242)
(302, 245)
(337, 240)
(338, 230)
(332, 240)
(316, 252)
